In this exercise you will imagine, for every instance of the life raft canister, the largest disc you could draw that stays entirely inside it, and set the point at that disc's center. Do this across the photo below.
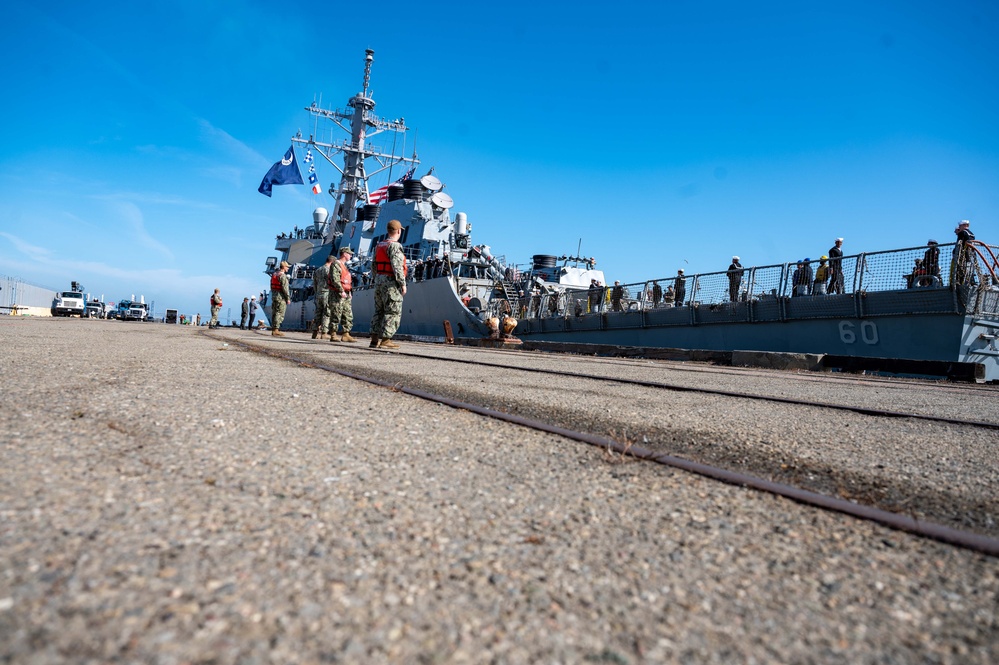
(383, 265)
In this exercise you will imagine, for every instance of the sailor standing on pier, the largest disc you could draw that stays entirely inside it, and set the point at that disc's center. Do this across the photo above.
(390, 287)
(341, 313)
(216, 304)
(280, 297)
(244, 313)
(321, 319)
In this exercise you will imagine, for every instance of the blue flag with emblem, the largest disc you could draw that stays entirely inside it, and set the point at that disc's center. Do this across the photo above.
(284, 172)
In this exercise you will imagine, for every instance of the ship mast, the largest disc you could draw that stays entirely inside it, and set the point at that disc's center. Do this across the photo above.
(360, 123)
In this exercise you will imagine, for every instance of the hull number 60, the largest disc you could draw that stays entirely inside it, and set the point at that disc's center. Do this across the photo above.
(848, 332)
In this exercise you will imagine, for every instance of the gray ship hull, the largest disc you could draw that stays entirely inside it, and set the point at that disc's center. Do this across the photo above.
(425, 308)
(923, 337)
(830, 326)
(827, 325)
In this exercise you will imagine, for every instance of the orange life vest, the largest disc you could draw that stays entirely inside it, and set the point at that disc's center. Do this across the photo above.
(383, 265)
(211, 301)
(345, 279)
(276, 281)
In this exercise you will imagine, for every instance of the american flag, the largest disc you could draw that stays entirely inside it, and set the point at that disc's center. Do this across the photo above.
(380, 194)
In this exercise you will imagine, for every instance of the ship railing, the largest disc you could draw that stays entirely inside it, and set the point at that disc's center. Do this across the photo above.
(976, 269)
(412, 253)
(299, 271)
(947, 278)
(422, 270)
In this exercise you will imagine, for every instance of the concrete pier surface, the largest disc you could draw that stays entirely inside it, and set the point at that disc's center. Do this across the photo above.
(169, 497)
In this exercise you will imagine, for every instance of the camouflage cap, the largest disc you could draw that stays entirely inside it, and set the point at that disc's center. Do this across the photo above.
(285, 264)
(394, 225)
(346, 250)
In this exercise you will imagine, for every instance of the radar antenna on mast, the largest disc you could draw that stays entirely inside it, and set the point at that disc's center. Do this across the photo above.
(369, 55)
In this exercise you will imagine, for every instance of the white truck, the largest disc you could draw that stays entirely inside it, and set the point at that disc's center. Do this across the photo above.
(70, 303)
(96, 309)
(132, 310)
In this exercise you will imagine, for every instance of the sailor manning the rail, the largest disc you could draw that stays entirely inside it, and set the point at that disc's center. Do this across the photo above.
(836, 267)
(735, 272)
(679, 288)
(390, 287)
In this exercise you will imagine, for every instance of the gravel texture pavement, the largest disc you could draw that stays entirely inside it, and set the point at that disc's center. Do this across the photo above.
(940, 472)
(169, 497)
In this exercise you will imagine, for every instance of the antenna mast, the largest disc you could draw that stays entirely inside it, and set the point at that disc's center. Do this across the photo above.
(357, 121)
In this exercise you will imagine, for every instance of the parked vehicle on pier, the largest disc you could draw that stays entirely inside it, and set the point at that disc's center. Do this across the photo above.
(95, 309)
(131, 310)
(69, 303)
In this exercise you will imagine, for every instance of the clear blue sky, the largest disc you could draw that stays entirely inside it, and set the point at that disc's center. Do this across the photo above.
(661, 135)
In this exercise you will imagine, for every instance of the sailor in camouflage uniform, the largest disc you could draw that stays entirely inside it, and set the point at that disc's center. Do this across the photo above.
(321, 319)
(215, 302)
(341, 312)
(280, 297)
(390, 287)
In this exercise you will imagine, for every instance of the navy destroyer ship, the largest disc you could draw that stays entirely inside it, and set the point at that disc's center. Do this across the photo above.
(938, 302)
